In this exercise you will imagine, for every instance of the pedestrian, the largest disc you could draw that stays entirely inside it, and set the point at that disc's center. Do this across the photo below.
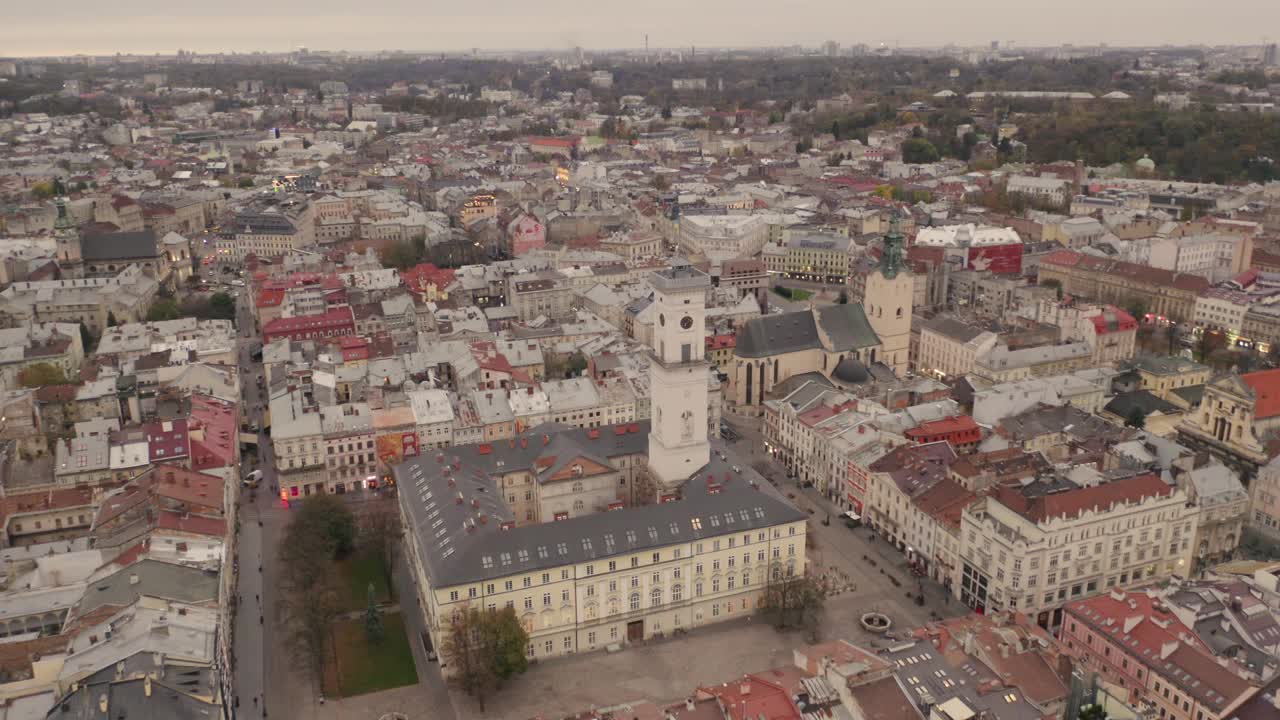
(259, 568)
(259, 619)
(255, 701)
(256, 597)
(237, 701)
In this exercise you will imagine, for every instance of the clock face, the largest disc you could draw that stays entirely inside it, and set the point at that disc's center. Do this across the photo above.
(686, 322)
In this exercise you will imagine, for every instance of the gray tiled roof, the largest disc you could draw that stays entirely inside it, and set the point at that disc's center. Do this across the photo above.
(155, 578)
(459, 524)
(119, 245)
(837, 328)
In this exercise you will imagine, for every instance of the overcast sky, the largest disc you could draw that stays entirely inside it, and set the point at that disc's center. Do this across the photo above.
(65, 27)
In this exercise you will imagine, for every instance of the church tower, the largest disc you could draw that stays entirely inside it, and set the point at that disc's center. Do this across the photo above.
(678, 444)
(888, 302)
(67, 235)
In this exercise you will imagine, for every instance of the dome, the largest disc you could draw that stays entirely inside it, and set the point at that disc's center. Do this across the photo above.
(850, 372)
(1146, 163)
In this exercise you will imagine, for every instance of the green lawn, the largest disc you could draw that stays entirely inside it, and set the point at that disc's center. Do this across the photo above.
(795, 294)
(357, 571)
(364, 668)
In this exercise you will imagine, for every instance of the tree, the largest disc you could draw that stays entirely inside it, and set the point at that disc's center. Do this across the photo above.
(380, 536)
(485, 648)
(59, 189)
(919, 150)
(222, 306)
(246, 182)
(1137, 307)
(576, 363)
(86, 338)
(1137, 418)
(41, 374)
(42, 191)
(661, 183)
(163, 309)
(1209, 343)
(333, 519)
(1092, 712)
(111, 319)
(666, 112)
(793, 602)
(373, 619)
(321, 530)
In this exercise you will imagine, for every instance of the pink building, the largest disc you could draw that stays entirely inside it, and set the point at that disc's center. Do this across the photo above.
(525, 234)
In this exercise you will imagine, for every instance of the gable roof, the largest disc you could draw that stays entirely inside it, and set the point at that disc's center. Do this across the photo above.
(835, 328)
(118, 245)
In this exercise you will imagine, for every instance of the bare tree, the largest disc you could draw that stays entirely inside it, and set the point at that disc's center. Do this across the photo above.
(309, 601)
(380, 534)
(793, 602)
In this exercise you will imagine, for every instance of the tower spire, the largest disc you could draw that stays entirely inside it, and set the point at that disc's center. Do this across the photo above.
(891, 256)
(64, 221)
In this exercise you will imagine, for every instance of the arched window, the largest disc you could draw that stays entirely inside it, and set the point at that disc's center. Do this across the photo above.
(750, 367)
(899, 313)
(746, 578)
(635, 601)
(676, 593)
(775, 371)
(655, 597)
(577, 486)
(577, 505)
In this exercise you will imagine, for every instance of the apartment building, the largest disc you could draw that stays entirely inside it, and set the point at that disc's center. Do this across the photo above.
(1166, 294)
(808, 255)
(1004, 365)
(1135, 642)
(269, 227)
(56, 344)
(546, 293)
(90, 301)
(723, 237)
(949, 347)
(1034, 547)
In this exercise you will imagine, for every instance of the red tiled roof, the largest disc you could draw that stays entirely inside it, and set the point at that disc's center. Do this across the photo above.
(957, 423)
(195, 524)
(1266, 390)
(1133, 271)
(270, 297)
(751, 698)
(1072, 503)
(217, 421)
(336, 318)
(1147, 640)
(167, 439)
(1113, 320)
(717, 342)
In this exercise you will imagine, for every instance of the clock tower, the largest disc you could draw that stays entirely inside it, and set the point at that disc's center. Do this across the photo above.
(678, 369)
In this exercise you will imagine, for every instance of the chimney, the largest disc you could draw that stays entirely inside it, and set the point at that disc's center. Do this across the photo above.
(688, 704)
(744, 688)
(146, 686)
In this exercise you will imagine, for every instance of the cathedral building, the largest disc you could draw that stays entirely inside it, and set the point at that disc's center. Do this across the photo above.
(842, 342)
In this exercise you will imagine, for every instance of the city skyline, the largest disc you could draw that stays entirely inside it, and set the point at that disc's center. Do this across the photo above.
(147, 27)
